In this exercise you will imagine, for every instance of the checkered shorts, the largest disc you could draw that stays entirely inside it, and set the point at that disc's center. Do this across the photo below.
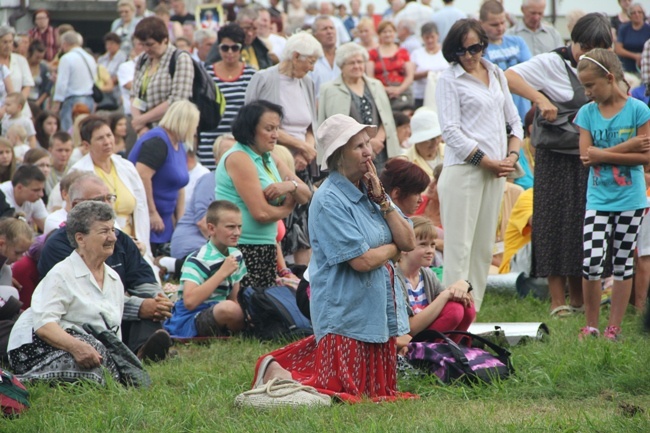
(599, 226)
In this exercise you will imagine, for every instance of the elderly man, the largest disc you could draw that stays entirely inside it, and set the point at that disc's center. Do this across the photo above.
(325, 68)
(342, 35)
(146, 306)
(75, 78)
(274, 42)
(254, 53)
(407, 38)
(204, 39)
(540, 37)
(141, 10)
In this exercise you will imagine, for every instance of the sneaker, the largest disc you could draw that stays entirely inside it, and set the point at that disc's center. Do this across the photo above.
(588, 331)
(282, 393)
(156, 348)
(612, 333)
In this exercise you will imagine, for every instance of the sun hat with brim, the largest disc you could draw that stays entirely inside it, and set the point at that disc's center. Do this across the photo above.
(336, 131)
(424, 126)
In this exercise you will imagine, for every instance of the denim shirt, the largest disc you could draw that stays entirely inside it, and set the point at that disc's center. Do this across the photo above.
(344, 224)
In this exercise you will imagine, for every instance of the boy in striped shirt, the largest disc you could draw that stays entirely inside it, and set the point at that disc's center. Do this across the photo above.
(210, 277)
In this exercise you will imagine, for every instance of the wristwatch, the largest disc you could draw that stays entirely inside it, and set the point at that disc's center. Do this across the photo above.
(295, 185)
(470, 288)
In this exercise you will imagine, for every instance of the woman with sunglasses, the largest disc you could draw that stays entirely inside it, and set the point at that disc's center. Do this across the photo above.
(550, 80)
(474, 108)
(232, 76)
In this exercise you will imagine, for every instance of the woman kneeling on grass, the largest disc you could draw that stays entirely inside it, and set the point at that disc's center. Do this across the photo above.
(355, 310)
(429, 304)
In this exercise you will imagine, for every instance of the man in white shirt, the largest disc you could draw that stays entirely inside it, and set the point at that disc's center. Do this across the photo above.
(24, 193)
(325, 68)
(203, 41)
(416, 13)
(446, 17)
(125, 74)
(76, 75)
(274, 42)
(342, 35)
(540, 37)
(407, 38)
(141, 10)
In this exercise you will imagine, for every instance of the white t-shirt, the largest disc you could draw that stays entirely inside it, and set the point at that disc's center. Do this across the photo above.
(195, 174)
(31, 210)
(424, 61)
(546, 72)
(125, 73)
(21, 120)
(54, 220)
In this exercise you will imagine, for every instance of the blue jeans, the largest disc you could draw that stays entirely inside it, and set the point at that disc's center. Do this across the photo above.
(66, 109)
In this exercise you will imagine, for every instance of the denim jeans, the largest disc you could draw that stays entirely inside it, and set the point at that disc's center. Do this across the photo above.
(66, 109)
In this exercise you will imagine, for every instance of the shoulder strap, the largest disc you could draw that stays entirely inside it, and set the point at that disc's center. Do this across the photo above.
(87, 67)
(172, 61)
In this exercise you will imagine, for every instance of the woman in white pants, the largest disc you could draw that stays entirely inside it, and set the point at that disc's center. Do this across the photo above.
(474, 108)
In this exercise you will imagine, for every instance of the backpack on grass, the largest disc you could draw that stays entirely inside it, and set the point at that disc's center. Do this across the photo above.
(13, 395)
(205, 93)
(273, 313)
(436, 353)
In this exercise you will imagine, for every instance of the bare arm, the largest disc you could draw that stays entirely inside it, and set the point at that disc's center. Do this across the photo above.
(638, 150)
(194, 294)
(370, 68)
(140, 120)
(302, 194)
(239, 166)
(622, 52)
(146, 174)
(84, 354)
(374, 258)
(519, 86)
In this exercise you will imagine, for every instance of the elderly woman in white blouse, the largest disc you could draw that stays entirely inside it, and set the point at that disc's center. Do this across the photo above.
(474, 106)
(48, 341)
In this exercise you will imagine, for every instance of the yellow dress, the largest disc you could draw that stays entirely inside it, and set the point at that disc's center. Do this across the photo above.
(125, 204)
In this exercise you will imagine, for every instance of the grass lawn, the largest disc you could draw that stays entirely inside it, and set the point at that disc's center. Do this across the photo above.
(561, 385)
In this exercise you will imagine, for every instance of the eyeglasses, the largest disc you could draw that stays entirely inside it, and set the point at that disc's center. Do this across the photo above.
(234, 48)
(108, 198)
(472, 50)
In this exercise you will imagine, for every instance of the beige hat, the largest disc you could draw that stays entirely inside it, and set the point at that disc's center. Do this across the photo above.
(424, 126)
(336, 131)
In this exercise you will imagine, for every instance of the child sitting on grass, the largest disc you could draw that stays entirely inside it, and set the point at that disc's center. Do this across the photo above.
(210, 277)
(429, 305)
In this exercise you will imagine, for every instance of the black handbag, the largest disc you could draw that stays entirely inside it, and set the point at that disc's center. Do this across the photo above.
(98, 95)
(131, 371)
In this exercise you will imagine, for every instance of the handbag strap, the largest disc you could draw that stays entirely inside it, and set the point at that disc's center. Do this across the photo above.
(460, 357)
(499, 350)
(92, 77)
(383, 66)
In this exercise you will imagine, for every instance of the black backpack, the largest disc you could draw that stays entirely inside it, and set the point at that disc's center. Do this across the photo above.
(205, 93)
(273, 313)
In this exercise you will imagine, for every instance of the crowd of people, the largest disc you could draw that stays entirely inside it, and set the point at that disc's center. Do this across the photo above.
(369, 149)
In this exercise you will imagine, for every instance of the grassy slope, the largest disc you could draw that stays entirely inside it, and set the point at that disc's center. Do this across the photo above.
(561, 386)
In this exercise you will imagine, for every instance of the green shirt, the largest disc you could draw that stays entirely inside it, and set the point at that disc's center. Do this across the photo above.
(204, 263)
(253, 232)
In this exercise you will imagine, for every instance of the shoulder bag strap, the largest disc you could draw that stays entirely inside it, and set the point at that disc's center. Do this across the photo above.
(92, 77)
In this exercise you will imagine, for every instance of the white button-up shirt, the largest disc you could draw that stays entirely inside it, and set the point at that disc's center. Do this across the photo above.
(70, 296)
(474, 115)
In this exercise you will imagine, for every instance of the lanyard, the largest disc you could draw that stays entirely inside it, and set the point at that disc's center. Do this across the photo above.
(270, 172)
(146, 79)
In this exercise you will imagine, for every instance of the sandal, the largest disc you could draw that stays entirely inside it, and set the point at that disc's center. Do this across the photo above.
(587, 332)
(282, 392)
(561, 311)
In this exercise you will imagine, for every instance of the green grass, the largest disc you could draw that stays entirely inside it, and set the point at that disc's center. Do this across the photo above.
(561, 385)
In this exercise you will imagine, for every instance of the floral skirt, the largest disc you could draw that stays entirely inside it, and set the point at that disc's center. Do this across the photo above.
(344, 368)
(40, 361)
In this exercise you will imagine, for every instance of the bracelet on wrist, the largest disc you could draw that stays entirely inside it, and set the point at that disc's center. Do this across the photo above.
(475, 160)
(295, 185)
(284, 272)
(470, 288)
(387, 211)
(514, 152)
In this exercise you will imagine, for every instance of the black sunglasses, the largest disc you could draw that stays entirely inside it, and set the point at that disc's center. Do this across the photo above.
(234, 48)
(472, 50)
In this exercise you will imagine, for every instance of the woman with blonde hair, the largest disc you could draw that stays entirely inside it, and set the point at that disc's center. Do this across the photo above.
(366, 34)
(7, 160)
(161, 161)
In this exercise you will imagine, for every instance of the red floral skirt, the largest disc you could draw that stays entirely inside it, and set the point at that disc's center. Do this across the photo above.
(344, 368)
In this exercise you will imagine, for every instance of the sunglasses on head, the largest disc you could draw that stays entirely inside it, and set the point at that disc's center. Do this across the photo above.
(234, 48)
(472, 50)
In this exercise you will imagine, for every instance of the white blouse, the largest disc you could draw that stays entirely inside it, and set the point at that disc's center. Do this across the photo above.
(70, 296)
(472, 114)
